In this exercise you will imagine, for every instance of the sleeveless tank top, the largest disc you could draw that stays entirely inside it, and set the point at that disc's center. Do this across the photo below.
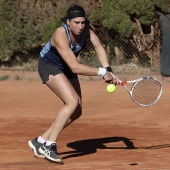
(51, 55)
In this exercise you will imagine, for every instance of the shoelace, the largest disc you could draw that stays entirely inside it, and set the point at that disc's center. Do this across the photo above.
(54, 148)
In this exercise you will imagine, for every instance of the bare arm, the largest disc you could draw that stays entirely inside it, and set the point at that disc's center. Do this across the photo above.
(101, 53)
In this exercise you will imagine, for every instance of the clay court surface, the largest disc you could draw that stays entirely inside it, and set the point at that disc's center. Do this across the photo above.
(113, 133)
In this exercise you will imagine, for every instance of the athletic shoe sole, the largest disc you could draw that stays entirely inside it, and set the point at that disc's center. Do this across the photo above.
(34, 149)
(48, 157)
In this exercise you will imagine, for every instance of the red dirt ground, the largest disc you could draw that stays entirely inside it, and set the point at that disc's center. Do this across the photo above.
(113, 133)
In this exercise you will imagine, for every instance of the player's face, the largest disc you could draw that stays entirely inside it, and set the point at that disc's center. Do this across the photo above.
(77, 25)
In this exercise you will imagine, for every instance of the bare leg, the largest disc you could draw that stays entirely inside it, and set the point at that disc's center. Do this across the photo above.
(70, 93)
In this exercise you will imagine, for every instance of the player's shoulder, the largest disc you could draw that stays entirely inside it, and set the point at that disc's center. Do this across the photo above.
(59, 36)
(59, 33)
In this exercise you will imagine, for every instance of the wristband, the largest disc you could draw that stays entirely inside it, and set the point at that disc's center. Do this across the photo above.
(101, 72)
(109, 69)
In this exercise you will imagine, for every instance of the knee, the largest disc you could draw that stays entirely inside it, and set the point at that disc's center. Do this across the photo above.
(74, 103)
(77, 113)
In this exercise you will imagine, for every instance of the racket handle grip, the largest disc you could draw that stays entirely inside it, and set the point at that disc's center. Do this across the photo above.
(122, 82)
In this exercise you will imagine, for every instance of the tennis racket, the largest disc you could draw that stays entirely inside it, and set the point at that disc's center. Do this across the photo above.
(145, 91)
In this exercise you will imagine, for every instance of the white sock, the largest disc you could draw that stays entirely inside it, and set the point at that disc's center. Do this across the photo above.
(41, 140)
(48, 143)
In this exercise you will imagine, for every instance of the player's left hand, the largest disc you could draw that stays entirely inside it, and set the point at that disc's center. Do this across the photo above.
(111, 78)
(115, 79)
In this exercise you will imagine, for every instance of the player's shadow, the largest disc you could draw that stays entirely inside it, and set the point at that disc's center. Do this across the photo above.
(158, 146)
(90, 146)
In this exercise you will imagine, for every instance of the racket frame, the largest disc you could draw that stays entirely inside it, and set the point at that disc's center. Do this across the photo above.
(135, 82)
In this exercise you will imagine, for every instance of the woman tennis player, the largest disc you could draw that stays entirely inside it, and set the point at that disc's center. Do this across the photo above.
(58, 68)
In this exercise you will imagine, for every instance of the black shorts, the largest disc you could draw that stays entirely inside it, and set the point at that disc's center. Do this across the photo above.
(45, 69)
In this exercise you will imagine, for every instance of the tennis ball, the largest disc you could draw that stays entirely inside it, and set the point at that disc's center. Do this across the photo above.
(111, 88)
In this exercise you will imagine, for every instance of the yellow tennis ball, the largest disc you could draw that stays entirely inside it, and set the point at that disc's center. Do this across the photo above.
(111, 88)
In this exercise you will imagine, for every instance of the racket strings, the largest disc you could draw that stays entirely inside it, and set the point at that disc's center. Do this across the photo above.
(146, 92)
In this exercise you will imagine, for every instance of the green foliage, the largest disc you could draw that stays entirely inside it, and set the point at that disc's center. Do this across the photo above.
(164, 5)
(25, 25)
(144, 11)
(3, 42)
(4, 35)
(117, 14)
(49, 27)
(126, 6)
(120, 22)
(21, 26)
(113, 15)
(4, 77)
